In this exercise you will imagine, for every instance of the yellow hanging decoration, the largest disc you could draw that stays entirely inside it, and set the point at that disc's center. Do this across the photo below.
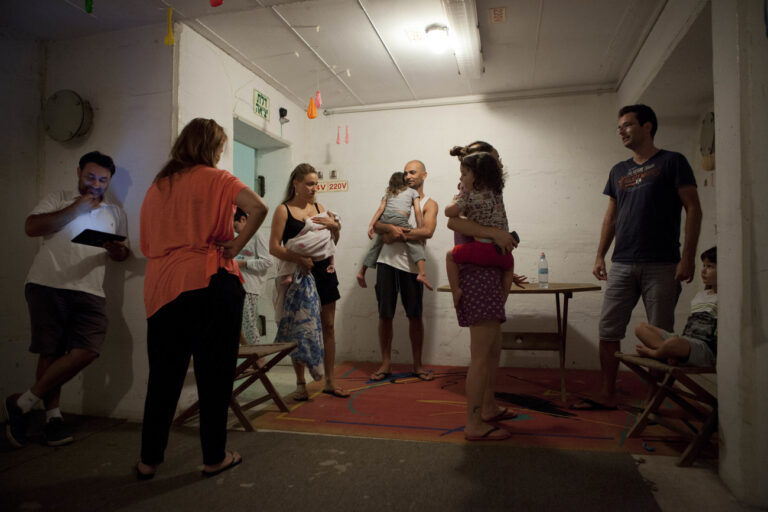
(311, 110)
(169, 40)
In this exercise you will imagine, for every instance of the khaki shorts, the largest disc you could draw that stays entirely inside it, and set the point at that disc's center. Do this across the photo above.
(65, 319)
(627, 282)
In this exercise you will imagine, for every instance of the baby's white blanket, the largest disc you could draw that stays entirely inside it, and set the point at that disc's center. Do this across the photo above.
(312, 241)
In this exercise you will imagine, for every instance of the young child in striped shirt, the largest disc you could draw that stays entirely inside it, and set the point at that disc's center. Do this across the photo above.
(697, 346)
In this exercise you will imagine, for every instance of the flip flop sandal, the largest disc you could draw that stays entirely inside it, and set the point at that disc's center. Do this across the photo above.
(338, 393)
(380, 376)
(142, 476)
(506, 414)
(236, 460)
(487, 436)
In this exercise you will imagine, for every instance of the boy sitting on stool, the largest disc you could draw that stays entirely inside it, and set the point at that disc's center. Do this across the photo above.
(697, 346)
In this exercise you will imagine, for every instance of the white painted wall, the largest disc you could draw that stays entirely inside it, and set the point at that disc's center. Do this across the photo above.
(134, 118)
(19, 152)
(213, 85)
(557, 151)
(740, 56)
(127, 78)
(132, 113)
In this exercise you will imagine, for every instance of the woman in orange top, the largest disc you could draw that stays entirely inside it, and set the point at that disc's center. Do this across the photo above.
(192, 291)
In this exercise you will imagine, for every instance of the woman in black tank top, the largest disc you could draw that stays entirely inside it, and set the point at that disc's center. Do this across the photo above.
(293, 225)
(288, 220)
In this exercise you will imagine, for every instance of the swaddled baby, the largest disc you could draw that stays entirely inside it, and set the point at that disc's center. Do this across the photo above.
(313, 241)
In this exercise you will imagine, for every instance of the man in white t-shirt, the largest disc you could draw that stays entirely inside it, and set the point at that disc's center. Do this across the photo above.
(396, 274)
(65, 294)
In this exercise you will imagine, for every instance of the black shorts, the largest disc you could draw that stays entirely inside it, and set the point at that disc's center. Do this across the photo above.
(327, 282)
(65, 319)
(391, 281)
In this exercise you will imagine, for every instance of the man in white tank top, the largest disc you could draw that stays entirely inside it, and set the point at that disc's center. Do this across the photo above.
(396, 274)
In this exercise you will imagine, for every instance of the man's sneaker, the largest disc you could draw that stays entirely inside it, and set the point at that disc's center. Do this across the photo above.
(57, 433)
(16, 429)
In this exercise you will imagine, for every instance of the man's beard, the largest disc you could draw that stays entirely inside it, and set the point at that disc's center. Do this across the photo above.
(84, 190)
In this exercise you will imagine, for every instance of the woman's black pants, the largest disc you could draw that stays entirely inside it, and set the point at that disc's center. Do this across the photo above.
(203, 324)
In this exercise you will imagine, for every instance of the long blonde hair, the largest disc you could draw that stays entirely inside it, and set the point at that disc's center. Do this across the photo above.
(197, 144)
(298, 174)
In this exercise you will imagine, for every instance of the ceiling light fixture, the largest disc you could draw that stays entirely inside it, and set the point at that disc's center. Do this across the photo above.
(437, 37)
(465, 35)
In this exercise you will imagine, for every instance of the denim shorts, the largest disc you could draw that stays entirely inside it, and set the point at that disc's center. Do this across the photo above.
(627, 282)
(700, 355)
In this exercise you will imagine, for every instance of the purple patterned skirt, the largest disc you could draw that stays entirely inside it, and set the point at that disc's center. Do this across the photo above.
(482, 296)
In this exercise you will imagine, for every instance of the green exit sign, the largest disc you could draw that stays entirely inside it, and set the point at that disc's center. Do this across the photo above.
(260, 104)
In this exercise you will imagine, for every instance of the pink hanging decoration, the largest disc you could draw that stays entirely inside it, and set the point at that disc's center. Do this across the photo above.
(318, 100)
(338, 135)
(346, 134)
(216, 3)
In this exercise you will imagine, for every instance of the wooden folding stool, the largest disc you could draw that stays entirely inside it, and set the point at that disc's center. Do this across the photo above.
(662, 378)
(251, 372)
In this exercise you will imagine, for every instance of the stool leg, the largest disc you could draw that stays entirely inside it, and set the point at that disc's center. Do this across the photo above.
(235, 406)
(653, 404)
(273, 392)
(692, 451)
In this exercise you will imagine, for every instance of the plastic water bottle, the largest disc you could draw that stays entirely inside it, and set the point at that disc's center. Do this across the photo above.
(543, 272)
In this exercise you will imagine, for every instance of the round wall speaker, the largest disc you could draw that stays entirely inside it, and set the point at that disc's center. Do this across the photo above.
(67, 116)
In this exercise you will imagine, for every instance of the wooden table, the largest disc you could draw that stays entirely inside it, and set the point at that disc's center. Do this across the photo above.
(553, 340)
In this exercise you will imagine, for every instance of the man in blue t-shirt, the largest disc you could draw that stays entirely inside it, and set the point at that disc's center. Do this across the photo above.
(645, 197)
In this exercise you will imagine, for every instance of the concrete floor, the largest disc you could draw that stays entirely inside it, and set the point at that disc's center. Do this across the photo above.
(695, 488)
(285, 471)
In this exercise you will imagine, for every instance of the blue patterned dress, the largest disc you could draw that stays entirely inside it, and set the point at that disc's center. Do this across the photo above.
(301, 323)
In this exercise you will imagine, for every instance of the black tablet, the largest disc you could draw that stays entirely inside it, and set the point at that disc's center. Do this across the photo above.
(96, 238)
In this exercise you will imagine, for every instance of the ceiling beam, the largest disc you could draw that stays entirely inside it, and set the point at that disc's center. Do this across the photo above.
(317, 55)
(478, 98)
(392, 57)
(224, 45)
(669, 29)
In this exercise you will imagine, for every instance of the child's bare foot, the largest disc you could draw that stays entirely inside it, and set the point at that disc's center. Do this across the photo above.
(456, 296)
(286, 280)
(361, 280)
(422, 278)
(646, 352)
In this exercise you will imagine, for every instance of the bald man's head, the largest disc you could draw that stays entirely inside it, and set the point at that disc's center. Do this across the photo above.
(415, 173)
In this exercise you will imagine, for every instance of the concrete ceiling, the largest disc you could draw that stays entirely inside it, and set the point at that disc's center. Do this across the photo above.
(546, 46)
(689, 64)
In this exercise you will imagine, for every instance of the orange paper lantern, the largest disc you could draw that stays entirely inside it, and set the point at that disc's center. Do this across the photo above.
(311, 110)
